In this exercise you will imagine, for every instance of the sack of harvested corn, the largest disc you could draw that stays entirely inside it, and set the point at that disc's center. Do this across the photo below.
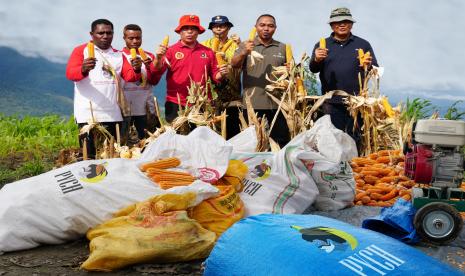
(156, 230)
(203, 153)
(219, 213)
(313, 245)
(282, 182)
(330, 170)
(277, 182)
(245, 141)
(62, 204)
(337, 188)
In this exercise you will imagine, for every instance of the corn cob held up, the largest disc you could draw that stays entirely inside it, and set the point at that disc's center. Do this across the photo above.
(142, 54)
(165, 41)
(252, 34)
(322, 43)
(289, 55)
(91, 49)
(133, 53)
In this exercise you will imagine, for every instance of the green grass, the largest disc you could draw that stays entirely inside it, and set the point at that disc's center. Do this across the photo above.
(29, 145)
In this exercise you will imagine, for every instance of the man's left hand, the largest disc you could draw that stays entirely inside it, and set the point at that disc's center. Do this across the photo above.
(236, 39)
(136, 64)
(222, 71)
(147, 62)
(367, 61)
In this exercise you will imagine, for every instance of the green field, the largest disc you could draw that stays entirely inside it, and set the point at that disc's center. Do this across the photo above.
(30, 145)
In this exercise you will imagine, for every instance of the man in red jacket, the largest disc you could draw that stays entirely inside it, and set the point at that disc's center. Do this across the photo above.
(97, 89)
(139, 94)
(186, 60)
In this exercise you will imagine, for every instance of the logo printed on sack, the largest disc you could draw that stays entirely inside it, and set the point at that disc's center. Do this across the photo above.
(261, 171)
(208, 175)
(309, 164)
(372, 258)
(68, 182)
(328, 176)
(327, 239)
(94, 173)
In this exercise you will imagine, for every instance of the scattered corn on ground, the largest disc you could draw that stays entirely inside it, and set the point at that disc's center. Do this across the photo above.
(380, 179)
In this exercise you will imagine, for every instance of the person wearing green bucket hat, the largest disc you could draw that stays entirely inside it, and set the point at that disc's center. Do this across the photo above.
(336, 59)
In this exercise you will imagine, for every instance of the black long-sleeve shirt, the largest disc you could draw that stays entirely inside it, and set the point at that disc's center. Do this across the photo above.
(339, 71)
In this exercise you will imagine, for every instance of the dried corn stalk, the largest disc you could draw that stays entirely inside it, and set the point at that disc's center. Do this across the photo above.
(199, 110)
(286, 89)
(260, 124)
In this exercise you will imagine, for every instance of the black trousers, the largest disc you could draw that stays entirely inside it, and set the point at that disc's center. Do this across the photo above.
(280, 131)
(90, 138)
(140, 122)
(341, 119)
(232, 122)
(171, 111)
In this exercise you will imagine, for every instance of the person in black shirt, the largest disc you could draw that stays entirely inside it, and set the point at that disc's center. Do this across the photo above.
(339, 68)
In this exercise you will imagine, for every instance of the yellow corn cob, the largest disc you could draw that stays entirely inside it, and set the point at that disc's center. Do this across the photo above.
(361, 56)
(289, 55)
(161, 164)
(173, 178)
(142, 54)
(220, 59)
(366, 56)
(165, 41)
(156, 171)
(252, 34)
(300, 87)
(226, 46)
(90, 49)
(133, 53)
(322, 43)
(166, 184)
(387, 106)
(215, 44)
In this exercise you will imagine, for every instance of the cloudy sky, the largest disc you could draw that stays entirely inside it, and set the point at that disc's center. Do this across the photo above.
(418, 42)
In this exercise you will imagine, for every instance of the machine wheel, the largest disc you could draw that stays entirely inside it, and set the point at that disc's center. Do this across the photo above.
(438, 222)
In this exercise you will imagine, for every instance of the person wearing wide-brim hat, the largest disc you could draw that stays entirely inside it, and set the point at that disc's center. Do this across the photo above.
(229, 93)
(339, 68)
(186, 61)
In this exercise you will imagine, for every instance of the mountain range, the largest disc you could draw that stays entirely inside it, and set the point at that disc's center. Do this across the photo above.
(37, 86)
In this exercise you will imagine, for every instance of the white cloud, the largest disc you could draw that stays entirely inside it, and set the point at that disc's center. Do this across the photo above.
(418, 42)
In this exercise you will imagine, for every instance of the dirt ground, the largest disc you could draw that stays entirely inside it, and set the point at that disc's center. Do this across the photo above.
(65, 260)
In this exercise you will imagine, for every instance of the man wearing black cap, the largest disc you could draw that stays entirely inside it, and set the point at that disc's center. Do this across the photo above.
(339, 68)
(229, 91)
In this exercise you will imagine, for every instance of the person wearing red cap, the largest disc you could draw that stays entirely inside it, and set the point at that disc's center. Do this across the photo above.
(186, 61)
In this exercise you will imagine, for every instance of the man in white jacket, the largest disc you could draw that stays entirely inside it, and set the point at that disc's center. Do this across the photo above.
(97, 93)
